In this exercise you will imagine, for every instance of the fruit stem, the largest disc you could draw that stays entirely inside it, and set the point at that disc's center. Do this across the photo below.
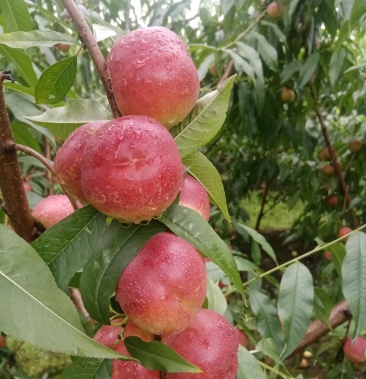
(333, 157)
(15, 203)
(91, 44)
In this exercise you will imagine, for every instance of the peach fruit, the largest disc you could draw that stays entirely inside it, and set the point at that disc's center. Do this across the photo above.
(355, 352)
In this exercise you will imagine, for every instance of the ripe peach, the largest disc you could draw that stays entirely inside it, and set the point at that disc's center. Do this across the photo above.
(131, 329)
(64, 47)
(328, 255)
(275, 10)
(153, 75)
(355, 146)
(356, 352)
(242, 338)
(194, 195)
(107, 335)
(210, 343)
(52, 209)
(68, 159)
(332, 200)
(327, 169)
(131, 169)
(324, 154)
(343, 231)
(287, 95)
(164, 286)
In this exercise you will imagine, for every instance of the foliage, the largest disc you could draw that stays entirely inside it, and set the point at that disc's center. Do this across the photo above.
(239, 140)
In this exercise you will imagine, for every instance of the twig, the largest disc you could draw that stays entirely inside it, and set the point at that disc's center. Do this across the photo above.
(339, 314)
(89, 41)
(263, 203)
(78, 302)
(48, 165)
(333, 157)
(48, 174)
(227, 72)
(11, 182)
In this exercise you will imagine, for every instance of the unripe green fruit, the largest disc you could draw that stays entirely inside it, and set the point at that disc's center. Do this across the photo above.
(153, 75)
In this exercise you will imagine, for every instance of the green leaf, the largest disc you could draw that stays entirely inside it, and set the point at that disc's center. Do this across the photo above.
(338, 253)
(205, 172)
(117, 247)
(88, 368)
(23, 136)
(24, 40)
(335, 66)
(268, 322)
(56, 81)
(243, 229)
(266, 50)
(216, 299)
(252, 57)
(354, 279)
(205, 120)
(289, 70)
(205, 66)
(64, 120)
(16, 15)
(308, 69)
(34, 309)
(157, 356)
(68, 245)
(249, 367)
(22, 63)
(295, 304)
(189, 225)
(268, 347)
(19, 88)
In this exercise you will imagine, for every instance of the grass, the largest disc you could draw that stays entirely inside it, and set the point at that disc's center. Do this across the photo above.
(278, 218)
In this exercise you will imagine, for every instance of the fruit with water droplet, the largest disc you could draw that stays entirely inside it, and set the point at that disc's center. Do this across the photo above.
(194, 195)
(153, 75)
(53, 209)
(164, 285)
(210, 343)
(355, 352)
(69, 156)
(131, 169)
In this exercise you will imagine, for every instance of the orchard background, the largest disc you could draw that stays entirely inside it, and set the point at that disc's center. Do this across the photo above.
(301, 149)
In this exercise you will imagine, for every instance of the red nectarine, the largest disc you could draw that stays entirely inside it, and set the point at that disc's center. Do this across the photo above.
(275, 10)
(355, 352)
(343, 231)
(131, 169)
(153, 75)
(164, 286)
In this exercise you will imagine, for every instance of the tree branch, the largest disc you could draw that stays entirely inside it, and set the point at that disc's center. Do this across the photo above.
(15, 201)
(89, 41)
(333, 157)
(339, 314)
(263, 203)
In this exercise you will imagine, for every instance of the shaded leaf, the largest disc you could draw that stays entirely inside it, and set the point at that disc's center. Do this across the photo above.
(295, 304)
(115, 250)
(308, 69)
(56, 81)
(268, 322)
(64, 120)
(205, 66)
(19, 88)
(157, 356)
(68, 245)
(268, 347)
(24, 40)
(335, 66)
(33, 308)
(216, 299)
(266, 50)
(354, 279)
(189, 225)
(205, 172)
(205, 120)
(257, 237)
(249, 367)
(88, 368)
(22, 63)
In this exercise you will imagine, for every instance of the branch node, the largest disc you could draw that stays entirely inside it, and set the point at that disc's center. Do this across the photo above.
(6, 75)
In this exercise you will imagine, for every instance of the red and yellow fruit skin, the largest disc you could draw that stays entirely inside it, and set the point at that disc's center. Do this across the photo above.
(242, 338)
(275, 10)
(328, 255)
(53, 209)
(131, 169)
(210, 343)
(343, 231)
(287, 95)
(355, 353)
(68, 159)
(153, 75)
(107, 335)
(355, 146)
(164, 286)
(194, 195)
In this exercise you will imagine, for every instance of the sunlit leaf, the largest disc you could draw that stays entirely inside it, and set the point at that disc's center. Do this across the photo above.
(216, 299)
(249, 367)
(88, 368)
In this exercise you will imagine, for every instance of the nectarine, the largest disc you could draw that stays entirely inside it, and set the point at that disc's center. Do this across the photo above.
(355, 352)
